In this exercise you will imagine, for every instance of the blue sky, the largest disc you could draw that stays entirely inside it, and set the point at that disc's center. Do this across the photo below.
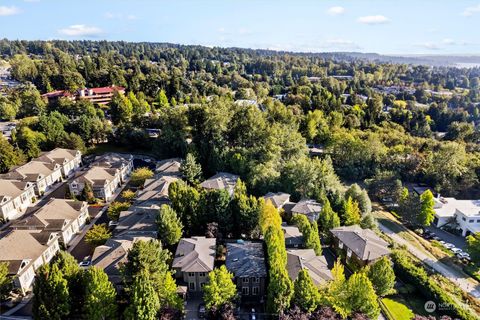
(382, 26)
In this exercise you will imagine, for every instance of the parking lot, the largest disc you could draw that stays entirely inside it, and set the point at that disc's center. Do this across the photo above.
(456, 244)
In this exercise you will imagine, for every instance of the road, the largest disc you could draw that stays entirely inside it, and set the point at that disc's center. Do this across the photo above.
(462, 280)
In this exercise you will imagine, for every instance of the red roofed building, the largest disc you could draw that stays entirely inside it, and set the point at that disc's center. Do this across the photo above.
(101, 95)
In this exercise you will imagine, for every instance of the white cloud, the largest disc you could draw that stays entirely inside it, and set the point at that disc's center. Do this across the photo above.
(470, 11)
(80, 30)
(377, 19)
(335, 11)
(9, 11)
(430, 46)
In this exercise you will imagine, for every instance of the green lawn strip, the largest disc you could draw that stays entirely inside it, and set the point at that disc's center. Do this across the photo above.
(395, 309)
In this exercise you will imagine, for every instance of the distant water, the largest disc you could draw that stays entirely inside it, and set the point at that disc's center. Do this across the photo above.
(467, 64)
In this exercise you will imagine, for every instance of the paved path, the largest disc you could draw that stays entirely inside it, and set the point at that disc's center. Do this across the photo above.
(462, 280)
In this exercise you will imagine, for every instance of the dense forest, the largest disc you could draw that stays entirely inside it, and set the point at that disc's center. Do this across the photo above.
(412, 123)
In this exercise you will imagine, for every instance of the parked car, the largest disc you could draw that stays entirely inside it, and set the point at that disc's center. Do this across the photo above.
(436, 238)
(201, 310)
(86, 262)
(464, 256)
(112, 224)
(449, 245)
(456, 250)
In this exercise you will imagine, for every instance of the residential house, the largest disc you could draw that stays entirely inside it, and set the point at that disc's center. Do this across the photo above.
(306, 259)
(246, 260)
(293, 237)
(104, 182)
(138, 221)
(65, 217)
(42, 175)
(360, 246)
(194, 259)
(25, 251)
(463, 215)
(69, 160)
(309, 208)
(15, 197)
(113, 254)
(155, 191)
(169, 167)
(221, 181)
(121, 162)
(280, 200)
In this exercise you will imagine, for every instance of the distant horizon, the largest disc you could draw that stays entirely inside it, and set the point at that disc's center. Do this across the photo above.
(266, 49)
(411, 27)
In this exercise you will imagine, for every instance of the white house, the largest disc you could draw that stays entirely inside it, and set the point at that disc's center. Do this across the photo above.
(15, 197)
(69, 160)
(104, 182)
(461, 214)
(25, 251)
(42, 175)
(122, 162)
(65, 217)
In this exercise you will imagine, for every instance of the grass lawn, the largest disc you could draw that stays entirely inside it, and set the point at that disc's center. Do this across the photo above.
(396, 309)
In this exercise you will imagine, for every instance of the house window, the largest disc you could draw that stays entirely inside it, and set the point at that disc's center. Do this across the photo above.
(255, 291)
(340, 244)
(202, 274)
(255, 279)
(245, 280)
(245, 291)
(191, 274)
(349, 253)
(478, 221)
(464, 219)
(191, 286)
(471, 221)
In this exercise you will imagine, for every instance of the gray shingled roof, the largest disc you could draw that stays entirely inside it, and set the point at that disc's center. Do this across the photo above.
(246, 259)
(196, 254)
(307, 206)
(278, 199)
(221, 181)
(169, 167)
(299, 259)
(292, 235)
(363, 242)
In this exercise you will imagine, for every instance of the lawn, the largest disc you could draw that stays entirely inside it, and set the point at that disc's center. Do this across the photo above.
(396, 309)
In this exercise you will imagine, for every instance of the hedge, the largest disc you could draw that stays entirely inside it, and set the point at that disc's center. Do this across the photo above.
(406, 269)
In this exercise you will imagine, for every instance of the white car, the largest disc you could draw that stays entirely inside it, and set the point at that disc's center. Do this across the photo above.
(463, 256)
(456, 250)
(449, 246)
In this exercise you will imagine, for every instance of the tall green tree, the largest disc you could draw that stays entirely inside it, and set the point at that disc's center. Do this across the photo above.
(309, 232)
(170, 226)
(98, 235)
(191, 170)
(427, 214)
(305, 293)
(139, 176)
(50, 294)
(328, 219)
(245, 212)
(6, 282)
(473, 246)
(351, 212)
(361, 196)
(185, 201)
(361, 295)
(382, 276)
(220, 288)
(100, 296)
(143, 303)
(9, 157)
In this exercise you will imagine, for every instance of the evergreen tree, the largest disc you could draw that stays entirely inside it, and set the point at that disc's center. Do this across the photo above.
(361, 197)
(351, 214)
(143, 303)
(162, 100)
(67, 264)
(100, 296)
(305, 293)
(368, 222)
(337, 293)
(361, 295)
(382, 276)
(185, 201)
(245, 212)
(309, 232)
(280, 290)
(50, 294)
(220, 288)
(9, 157)
(170, 227)
(427, 214)
(6, 283)
(191, 170)
(139, 176)
(328, 218)
(98, 235)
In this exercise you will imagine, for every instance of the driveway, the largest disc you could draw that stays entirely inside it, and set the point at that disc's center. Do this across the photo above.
(457, 241)
(191, 308)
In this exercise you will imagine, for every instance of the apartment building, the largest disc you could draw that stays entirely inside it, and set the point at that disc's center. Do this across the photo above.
(15, 197)
(69, 160)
